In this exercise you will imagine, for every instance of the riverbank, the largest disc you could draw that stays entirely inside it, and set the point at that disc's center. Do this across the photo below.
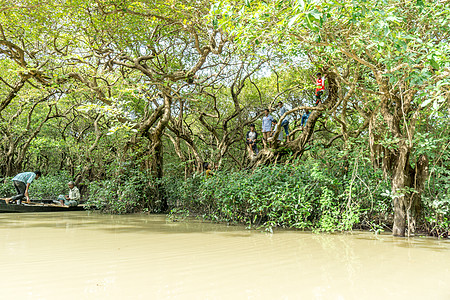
(279, 196)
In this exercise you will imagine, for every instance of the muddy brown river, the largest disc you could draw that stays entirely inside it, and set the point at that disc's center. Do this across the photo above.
(81, 255)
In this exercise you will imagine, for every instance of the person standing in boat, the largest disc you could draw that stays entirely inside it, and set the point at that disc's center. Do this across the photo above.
(22, 182)
(73, 198)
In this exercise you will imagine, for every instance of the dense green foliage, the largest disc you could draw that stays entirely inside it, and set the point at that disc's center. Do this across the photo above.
(291, 196)
(125, 193)
(437, 195)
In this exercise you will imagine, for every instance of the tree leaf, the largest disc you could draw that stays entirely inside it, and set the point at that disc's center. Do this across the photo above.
(294, 19)
(426, 102)
(433, 63)
(315, 14)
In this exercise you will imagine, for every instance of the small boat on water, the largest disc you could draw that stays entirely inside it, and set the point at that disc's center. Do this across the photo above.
(36, 206)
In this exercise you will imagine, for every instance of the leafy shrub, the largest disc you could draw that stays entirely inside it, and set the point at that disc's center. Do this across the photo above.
(436, 199)
(6, 187)
(291, 196)
(50, 186)
(129, 192)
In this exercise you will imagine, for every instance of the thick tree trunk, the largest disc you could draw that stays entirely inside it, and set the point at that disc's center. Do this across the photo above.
(12, 166)
(399, 182)
(156, 160)
(407, 187)
(156, 150)
(399, 227)
(419, 176)
(157, 171)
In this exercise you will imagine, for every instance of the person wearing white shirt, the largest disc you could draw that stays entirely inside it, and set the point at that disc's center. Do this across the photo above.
(266, 127)
(73, 199)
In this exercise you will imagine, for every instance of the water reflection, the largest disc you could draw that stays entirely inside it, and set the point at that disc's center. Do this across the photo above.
(82, 255)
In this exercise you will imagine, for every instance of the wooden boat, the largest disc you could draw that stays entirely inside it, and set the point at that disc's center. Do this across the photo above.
(36, 206)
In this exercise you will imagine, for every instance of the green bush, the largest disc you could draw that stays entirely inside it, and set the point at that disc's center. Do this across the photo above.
(6, 187)
(50, 186)
(436, 199)
(290, 196)
(127, 193)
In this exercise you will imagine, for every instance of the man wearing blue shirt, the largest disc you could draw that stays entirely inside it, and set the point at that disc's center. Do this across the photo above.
(285, 123)
(22, 183)
(305, 117)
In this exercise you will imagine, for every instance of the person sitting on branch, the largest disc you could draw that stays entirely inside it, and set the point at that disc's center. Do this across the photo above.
(208, 169)
(320, 86)
(252, 137)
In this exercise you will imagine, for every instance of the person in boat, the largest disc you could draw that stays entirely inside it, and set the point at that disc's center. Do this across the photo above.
(252, 137)
(22, 182)
(73, 198)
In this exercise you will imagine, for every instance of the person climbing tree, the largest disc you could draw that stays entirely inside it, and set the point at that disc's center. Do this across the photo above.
(275, 126)
(266, 126)
(320, 86)
(252, 137)
(285, 122)
(305, 117)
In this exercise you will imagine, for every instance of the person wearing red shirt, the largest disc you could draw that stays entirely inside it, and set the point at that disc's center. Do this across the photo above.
(320, 86)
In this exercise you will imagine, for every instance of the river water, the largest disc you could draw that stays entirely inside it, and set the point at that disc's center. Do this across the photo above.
(82, 255)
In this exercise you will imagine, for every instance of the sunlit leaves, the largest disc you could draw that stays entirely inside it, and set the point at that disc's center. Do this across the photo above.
(294, 19)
